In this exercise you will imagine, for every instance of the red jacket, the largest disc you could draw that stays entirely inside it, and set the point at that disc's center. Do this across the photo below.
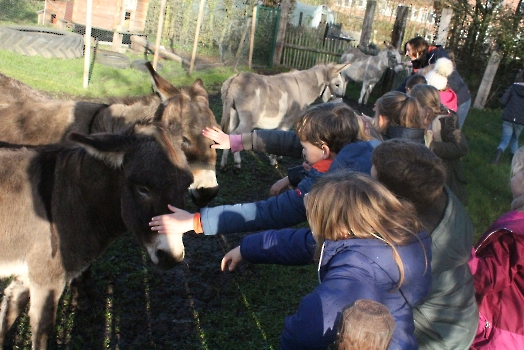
(497, 265)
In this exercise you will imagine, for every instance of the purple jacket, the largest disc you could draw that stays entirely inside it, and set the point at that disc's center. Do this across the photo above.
(497, 264)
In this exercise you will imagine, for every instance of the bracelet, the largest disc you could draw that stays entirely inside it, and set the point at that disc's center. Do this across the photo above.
(197, 223)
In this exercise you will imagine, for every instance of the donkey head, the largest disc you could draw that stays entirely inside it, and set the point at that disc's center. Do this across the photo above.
(186, 111)
(153, 173)
(336, 83)
(394, 59)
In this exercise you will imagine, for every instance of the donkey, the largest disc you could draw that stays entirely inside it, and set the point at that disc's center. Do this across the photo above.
(274, 102)
(369, 69)
(38, 120)
(63, 204)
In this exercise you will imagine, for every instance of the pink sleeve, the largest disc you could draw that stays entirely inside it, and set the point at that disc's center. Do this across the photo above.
(473, 261)
(235, 142)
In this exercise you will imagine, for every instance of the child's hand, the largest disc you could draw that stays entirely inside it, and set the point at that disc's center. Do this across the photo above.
(179, 222)
(231, 259)
(217, 135)
(306, 166)
(279, 186)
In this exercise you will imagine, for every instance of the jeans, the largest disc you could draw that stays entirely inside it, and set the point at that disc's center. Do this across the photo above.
(510, 136)
(462, 112)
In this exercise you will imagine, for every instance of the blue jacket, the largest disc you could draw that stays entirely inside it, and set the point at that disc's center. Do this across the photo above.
(349, 270)
(287, 209)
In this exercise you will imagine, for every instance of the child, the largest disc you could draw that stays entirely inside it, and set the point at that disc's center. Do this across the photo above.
(323, 131)
(398, 115)
(512, 117)
(497, 264)
(413, 80)
(444, 137)
(368, 246)
(447, 318)
(438, 77)
(365, 325)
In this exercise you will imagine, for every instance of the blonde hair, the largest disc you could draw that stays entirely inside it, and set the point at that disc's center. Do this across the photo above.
(400, 109)
(333, 123)
(517, 163)
(354, 205)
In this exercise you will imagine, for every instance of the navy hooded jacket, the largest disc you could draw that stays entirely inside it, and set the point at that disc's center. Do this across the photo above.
(349, 270)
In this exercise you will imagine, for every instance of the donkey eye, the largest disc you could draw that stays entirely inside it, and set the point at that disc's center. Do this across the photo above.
(186, 141)
(143, 191)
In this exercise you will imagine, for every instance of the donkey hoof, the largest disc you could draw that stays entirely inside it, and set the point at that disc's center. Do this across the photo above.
(236, 170)
(222, 169)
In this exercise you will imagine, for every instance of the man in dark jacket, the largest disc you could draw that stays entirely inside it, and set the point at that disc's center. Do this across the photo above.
(512, 116)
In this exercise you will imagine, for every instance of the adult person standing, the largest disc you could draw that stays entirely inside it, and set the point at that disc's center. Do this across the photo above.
(448, 317)
(422, 55)
(512, 117)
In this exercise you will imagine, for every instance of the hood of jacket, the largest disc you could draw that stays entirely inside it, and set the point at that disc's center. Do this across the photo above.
(401, 132)
(519, 89)
(512, 222)
(380, 254)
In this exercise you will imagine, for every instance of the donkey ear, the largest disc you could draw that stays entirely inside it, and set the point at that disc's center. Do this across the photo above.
(340, 67)
(161, 86)
(109, 148)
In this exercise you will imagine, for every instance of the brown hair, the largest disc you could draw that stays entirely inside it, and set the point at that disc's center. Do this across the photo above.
(415, 79)
(417, 44)
(429, 98)
(400, 109)
(354, 205)
(333, 124)
(410, 170)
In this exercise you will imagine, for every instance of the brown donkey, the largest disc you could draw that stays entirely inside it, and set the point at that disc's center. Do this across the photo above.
(35, 119)
(62, 205)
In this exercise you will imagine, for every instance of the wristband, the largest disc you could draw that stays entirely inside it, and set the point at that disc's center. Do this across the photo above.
(197, 223)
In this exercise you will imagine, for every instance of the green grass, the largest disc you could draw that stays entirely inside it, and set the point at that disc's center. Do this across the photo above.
(66, 77)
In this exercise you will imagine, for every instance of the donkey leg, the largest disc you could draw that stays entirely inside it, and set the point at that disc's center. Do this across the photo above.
(16, 297)
(362, 92)
(238, 161)
(42, 311)
(223, 161)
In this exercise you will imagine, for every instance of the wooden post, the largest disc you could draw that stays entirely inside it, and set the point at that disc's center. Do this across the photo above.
(487, 80)
(87, 43)
(252, 40)
(285, 7)
(159, 31)
(118, 25)
(399, 28)
(197, 33)
(443, 27)
(367, 26)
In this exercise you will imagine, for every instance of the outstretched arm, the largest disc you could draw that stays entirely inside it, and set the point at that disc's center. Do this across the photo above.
(180, 221)
(220, 138)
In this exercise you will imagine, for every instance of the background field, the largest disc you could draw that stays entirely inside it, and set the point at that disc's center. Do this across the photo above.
(195, 306)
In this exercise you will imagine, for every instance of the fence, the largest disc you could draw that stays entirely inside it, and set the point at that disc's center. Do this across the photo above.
(306, 47)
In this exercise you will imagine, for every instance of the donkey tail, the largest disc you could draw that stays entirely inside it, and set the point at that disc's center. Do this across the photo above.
(228, 103)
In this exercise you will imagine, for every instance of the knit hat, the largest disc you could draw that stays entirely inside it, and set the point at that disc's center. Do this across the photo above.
(438, 76)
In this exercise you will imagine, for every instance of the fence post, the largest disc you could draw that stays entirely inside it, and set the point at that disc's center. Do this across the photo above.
(252, 41)
(197, 34)
(487, 80)
(399, 28)
(159, 31)
(368, 23)
(285, 7)
(443, 27)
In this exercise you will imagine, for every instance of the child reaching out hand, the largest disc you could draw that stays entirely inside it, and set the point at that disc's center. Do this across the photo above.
(367, 245)
(323, 130)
